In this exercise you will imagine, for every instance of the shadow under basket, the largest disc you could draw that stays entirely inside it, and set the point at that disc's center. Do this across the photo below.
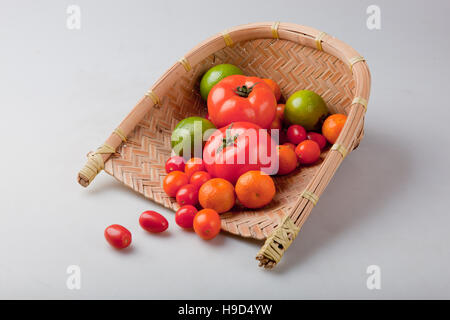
(296, 57)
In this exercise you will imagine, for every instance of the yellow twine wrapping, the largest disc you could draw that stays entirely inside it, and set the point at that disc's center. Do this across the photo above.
(340, 148)
(274, 29)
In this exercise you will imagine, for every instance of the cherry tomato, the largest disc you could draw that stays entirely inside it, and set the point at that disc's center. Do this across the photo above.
(240, 98)
(118, 236)
(174, 181)
(296, 134)
(207, 223)
(287, 160)
(175, 163)
(199, 178)
(184, 217)
(317, 137)
(193, 165)
(308, 152)
(187, 194)
(280, 111)
(152, 221)
(290, 145)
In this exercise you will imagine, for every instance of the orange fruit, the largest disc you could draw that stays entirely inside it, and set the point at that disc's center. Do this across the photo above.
(255, 189)
(287, 159)
(217, 194)
(275, 88)
(332, 126)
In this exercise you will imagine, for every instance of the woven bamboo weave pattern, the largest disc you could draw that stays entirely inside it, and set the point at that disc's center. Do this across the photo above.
(140, 161)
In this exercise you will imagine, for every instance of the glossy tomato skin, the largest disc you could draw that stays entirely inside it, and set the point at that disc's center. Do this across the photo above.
(226, 106)
(118, 236)
(174, 181)
(308, 152)
(207, 224)
(175, 163)
(317, 137)
(249, 148)
(193, 165)
(296, 134)
(187, 194)
(184, 217)
(199, 178)
(152, 221)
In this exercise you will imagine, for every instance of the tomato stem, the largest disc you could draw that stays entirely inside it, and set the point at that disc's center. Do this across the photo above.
(244, 91)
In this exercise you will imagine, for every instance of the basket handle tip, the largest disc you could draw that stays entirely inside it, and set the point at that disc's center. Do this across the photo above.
(279, 241)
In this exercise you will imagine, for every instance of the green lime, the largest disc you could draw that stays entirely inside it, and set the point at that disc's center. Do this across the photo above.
(190, 135)
(306, 108)
(214, 75)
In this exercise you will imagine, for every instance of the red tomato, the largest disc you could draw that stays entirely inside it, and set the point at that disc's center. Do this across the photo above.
(193, 165)
(174, 181)
(308, 152)
(317, 137)
(296, 134)
(290, 145)
(175, 163)
(240, 147)
(199, 178)
(187, 194)
(184, 217)
(119, 237)
(152, 221)
(241, 98)
(280, 110)
(207, 223)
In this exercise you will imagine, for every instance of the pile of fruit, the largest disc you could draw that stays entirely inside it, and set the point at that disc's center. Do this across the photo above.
(228, 158)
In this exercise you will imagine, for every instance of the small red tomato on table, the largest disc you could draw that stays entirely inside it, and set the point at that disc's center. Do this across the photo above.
(118, 236)
(241, 98)
(152, 221)
(207, 224)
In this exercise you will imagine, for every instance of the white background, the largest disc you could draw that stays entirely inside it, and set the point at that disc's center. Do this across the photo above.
(62, 91)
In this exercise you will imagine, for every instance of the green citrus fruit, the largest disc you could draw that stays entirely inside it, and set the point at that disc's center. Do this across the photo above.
(305, 108)
(190, 135)
(214, 75)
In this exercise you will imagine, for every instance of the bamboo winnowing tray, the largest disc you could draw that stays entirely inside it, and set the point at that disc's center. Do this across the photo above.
(296, 57)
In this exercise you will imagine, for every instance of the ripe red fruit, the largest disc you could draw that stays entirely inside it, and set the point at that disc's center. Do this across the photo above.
(193, 165)
(175, 163)
(290, 145)
(118, 236)
(207, 223)
(173, 182)
(152, 221)
(317, 137)
(296, 134)
(199, 178)
(308, 152)
(187, 194)
(184, 217)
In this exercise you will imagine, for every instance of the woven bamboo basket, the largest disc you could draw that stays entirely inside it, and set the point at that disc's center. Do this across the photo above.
(296, 57)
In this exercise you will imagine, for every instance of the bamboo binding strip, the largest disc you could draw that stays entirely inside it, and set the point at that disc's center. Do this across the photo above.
(147, 127)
